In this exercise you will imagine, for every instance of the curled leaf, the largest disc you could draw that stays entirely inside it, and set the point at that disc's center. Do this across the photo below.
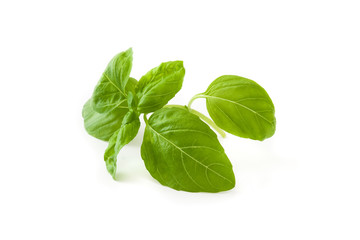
(127, 132)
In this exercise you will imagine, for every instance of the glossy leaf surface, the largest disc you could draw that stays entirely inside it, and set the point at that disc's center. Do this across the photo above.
(103, 125)
(127, 132)
(159, 85)
(110, 91)
(241, 107)
(182, 152)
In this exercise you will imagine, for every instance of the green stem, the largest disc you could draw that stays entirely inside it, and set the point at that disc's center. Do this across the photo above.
(208, 121)
(202, 116)
(200, 95)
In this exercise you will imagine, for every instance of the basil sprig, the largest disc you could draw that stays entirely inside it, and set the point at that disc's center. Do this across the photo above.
(179, 148)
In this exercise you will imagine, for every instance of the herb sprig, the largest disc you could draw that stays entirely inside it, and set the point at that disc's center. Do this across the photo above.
(179, 148)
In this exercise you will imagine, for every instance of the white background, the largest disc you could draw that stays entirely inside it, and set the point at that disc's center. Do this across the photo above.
(303, 183)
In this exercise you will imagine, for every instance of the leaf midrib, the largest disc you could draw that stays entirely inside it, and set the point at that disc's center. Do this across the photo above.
(115, 85)
(239, 104)
(197, 161)
(152, 83)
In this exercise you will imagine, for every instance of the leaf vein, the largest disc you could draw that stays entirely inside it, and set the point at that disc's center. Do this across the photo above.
(197, 161)
(241, 105)
(114, 84)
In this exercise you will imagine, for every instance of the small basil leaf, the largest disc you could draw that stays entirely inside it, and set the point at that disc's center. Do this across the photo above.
(159, 85)
(182, 152)
(103, 125)
(241, 107)
(127, 132)
(110, 91)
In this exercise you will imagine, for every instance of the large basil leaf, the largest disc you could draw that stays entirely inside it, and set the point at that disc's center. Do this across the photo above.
(127, 132)
(110, 91)
(159, 85)
(182, 152)
(241, 107)
(103, 125)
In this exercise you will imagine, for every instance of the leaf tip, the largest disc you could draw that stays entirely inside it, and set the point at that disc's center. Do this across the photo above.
(180, 63)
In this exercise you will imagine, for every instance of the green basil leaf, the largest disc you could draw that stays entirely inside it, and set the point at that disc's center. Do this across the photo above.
(159, 85)
(110, 91)
(182, 152)
(103, 125)
(241, 107)
(127, 132)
